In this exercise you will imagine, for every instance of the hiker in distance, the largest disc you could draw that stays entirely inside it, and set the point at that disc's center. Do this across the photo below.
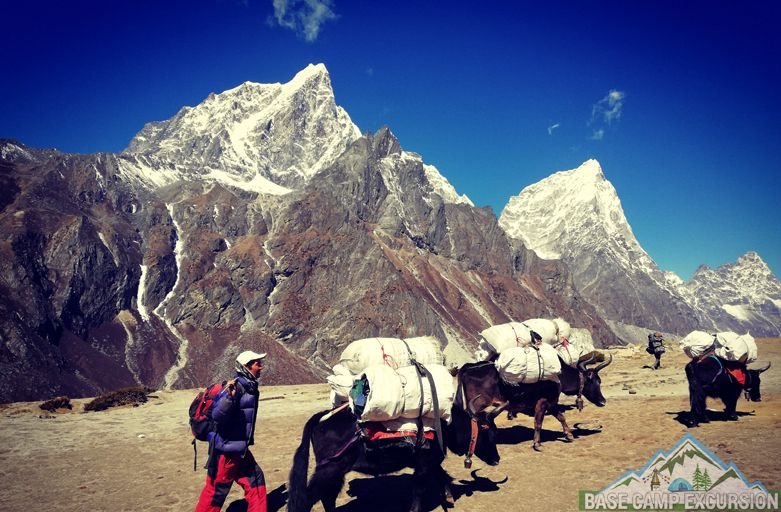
(656, 347)
(234, 412)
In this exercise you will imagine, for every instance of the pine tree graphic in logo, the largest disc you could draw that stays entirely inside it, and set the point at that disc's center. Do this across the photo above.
(701, 480)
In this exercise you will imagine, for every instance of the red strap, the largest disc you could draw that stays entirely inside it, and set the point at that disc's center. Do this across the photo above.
(472, 437)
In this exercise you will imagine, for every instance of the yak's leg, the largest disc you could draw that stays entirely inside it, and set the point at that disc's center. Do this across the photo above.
(420, 478)
(427, 472)
(563, 420)
(696, 397)
(447, 493)
(325, 485)
(730, 400)
(540, 408)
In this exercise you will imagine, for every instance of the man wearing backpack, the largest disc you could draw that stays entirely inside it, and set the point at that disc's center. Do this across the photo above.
(656, 348)
(234, 412)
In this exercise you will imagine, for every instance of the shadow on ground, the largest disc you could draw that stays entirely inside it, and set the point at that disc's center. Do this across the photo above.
(392, 493)
(685, 417)
(277, 499)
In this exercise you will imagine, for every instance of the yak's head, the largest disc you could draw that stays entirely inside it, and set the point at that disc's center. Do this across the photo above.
(592, 382)
(469, 422)
(752, 384)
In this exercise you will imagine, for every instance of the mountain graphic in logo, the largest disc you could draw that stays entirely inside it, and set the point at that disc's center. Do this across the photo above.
(687, 474)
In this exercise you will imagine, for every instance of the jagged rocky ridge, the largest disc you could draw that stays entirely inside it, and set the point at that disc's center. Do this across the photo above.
(613, 272)
(740, 296)
(262, 219)
(157, 265)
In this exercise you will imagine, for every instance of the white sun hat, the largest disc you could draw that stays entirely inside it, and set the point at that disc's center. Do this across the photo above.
(248, 355)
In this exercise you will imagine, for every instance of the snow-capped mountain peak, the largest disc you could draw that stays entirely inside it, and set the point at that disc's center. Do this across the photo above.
(548, 214)
(576, 216)
(312, 72)
(282, 134)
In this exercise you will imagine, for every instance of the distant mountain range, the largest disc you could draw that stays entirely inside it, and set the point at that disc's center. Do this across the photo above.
(613, 272)
(263, 219)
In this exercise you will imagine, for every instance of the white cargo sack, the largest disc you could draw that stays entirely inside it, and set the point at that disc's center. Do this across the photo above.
(525, 365)
(360, 354)
(499, 337)
(571, 351)
(545, 328)
(385, 400)
(443, 384)
(565, 330)
(697, 343)
(580, 344)
(736, 348)
(395, 394)
(557, 333)
(340, 387)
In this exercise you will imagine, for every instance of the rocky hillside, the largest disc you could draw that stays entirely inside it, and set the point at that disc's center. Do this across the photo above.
(158, 265)
(262, 219)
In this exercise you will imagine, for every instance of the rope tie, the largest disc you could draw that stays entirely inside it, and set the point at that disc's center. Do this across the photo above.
(517, 338)
(386, 358)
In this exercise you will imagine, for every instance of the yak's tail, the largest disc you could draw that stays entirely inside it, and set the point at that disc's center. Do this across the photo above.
(298, 494)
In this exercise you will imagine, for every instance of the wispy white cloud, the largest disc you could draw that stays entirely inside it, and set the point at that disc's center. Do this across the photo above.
(604, 112)
(305, 17)
(370, 71)
(553, 127)
(608, 108)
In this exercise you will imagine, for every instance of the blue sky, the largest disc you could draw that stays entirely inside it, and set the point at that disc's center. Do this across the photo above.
(679, 101)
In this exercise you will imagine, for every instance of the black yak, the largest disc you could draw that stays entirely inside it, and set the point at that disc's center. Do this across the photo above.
(714, 377)
(340, 446)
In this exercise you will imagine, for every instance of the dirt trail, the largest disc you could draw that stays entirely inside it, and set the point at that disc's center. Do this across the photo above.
(140, 458)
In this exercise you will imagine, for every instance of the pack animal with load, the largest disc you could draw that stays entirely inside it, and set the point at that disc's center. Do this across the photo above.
(569, 367)
(351, 437)
(728, 345)
(714, 377)
(719, 369)
(497, 338)
(481, 385)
